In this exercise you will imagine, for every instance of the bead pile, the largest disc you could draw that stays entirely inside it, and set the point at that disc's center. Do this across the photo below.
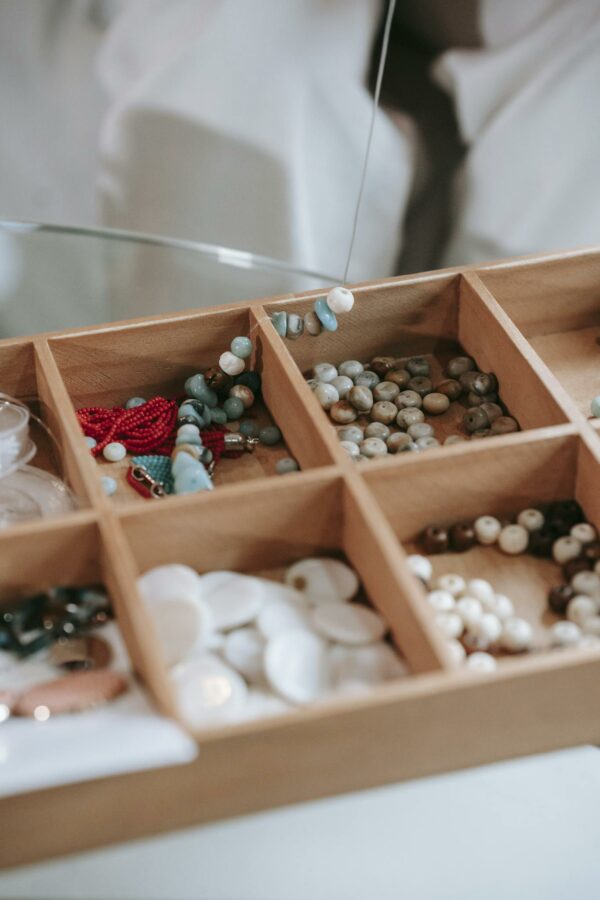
(241, 647)
(322, 317)
(380, 407)
(481, 619)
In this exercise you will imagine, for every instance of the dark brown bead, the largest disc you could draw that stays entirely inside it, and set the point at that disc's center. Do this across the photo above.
(462, 536)
(400, 377)
(563, 515)
(581, 564)
(418, 365)
(559, 597)
(381, 365)
(421, 384)
(591, 551)
(466, 380)
(484, 383)
(459, 365)
(541, 541)
(450, 387)
(218, 381)
(474, 399)
(492, 410)
(435, 539)
(475, 419)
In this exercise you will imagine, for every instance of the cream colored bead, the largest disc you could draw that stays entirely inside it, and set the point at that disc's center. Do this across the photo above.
(531, 519)
(481, 662)
(479, 588)
(457, 651)
(450, 624)
(470, 610)
(591, 626)
(501, 606)
(442, 601)
(581, 608)
(517, 635)
(340, 300)
(420, 566)
(484, 632)
(566, 548)
(487, 529)
(513, 539)
(231, 364)
(586, 583)
(454, 584)
(584, 532)
(565, 634)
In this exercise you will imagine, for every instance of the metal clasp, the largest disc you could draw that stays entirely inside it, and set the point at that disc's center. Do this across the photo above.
(156, 488)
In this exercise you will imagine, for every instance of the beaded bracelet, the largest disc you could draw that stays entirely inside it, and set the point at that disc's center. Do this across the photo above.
(323, 315)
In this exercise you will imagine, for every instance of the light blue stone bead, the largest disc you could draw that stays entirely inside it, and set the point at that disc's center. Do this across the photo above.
(193, 479)
(133, 402)
(248, 428)
(188, 434)
(182, 461)
(241, 347)
(91, 442)
(269, 435)
(595, 407)
(197, 388)
(279, 320)
(233, 407)
(325, 316)
(285, 465)
(186, 409)
(109, 485)
(218, 416)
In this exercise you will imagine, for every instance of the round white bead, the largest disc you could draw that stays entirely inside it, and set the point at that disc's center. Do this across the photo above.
(586, 583)
(457, 650)
(531, 519)
(581, 608)
(450, 624)
(231, 364)
(584, 533)
(480, 589)
(442, 601)
(566, 548)
(481, 662)
(565, 634)
(340, 300)
(517, 635)
(591, 626)
(501, 606)
(487, 529)
(470, 611)
(114, 451)
(420, 566)
(454, 584)
(513, 539)
(485, 631)
(343, 385)
(326, 394)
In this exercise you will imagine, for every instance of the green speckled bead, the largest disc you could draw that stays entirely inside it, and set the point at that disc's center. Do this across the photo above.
(361, 398)
(408, 398)
(133, 402)
(197, 388)
(218, 416)
(269, 435)
(249, 428)
(418, 365)
(372, 447)
(234, 408)
(386, 390)
(279, 320)
(295, 326)
(377, 429)
(351, 433)
(367, 379)
(351, 368)
(241, 347)
(383, 411)
(285, 465)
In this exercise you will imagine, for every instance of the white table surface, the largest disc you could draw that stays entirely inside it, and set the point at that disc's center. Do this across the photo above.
(528, 829)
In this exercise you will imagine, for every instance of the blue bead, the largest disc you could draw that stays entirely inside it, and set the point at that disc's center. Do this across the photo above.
(279, 320)
(285, 465)
(241, 347)
(251, 380)
(325, 316)
(91, 442)
(133, 402)
(193, 479)
(109, 485)
(197, 388)
(191, 412)
(234, 407)
(218, 416)
(596, 407)
(248, 428)
(188, 434)
(269, 435)
(182, 461)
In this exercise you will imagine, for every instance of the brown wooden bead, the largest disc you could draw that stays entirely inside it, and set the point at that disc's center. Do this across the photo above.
(466, 380)
(474, 399)
(421, 384)
(504, 425)
(381, 365)
(459, 365)
(591, 551)
(435, 539)
(218, 381)
(475, 419)
(564, 514)
(400, 377)
(462, 536)
(581, 564)
(541, 541)
(450, 387)
(484, 383)
(559, 598)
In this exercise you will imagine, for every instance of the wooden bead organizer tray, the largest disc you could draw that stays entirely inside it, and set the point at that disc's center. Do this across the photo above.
(535, 323)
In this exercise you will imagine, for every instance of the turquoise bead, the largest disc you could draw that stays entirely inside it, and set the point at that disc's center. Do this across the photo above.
(109, 485)
(186, 409)
(197, 388)
(182, 461)
(193, 479)
(133, 402)
(91, 442)
(285, 465)
(234, 407)
(596, 407)
(325, 316)
(241, 347)
(218, 416)
(248, 428)
(269, 435)
(188, 434)
(279, 320)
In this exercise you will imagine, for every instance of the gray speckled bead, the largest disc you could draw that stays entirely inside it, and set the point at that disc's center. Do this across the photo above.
(458, 365)
(372, 447)
(285, 465)
(279, 320)
(343, 386)
(386, 390)
(326, 394)
(420, 430)
(351, 368)
(295, 326)
(367, 379)
(409, 416)
(435, 403)
(343, 412)
(398, 442)
(218, 416)
(421, 384)
(312, 325)
(474, 419)
(377, 429)
(269, 435)
(401, 377)
(383, 411)
(408, 399)
(325, 372)
(427, 443)
(418, 365)
(351, 433)
(351, 448)
(504, 425)
(361, 398)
